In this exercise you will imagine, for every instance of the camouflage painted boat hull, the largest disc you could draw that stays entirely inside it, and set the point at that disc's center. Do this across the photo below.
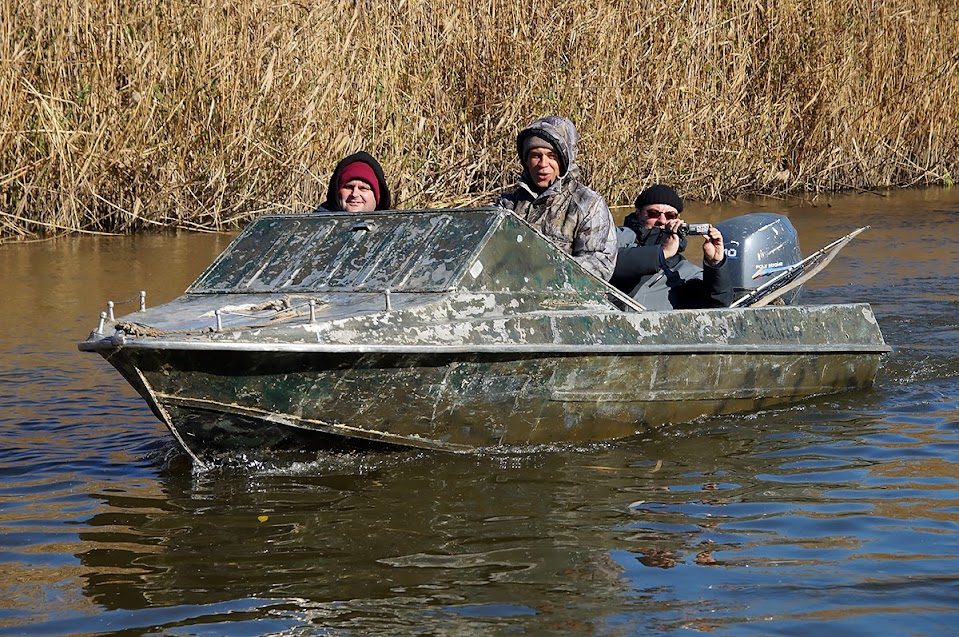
(462, 356)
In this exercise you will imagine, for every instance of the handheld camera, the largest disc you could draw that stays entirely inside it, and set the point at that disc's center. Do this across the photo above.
(692, 228)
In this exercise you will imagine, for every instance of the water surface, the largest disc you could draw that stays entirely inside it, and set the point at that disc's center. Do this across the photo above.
(836, 516)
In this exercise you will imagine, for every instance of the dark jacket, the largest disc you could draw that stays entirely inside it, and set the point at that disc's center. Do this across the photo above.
(332, 192)
(568, 213)
(674, 284)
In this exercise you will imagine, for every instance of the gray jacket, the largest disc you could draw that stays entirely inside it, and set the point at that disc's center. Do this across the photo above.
(568, 213)
(667, 284)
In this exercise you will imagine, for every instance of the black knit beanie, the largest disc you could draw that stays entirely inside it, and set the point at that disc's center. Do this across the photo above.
(660, 194)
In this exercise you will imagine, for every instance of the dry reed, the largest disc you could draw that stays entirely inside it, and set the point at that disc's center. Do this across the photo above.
(119, 115)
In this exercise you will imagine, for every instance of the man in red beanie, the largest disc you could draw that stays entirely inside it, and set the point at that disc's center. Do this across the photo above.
(357, 185)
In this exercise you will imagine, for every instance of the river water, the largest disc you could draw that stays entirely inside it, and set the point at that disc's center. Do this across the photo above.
(836, 516)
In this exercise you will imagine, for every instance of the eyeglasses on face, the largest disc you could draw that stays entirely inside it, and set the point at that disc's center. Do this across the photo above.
(654, 214)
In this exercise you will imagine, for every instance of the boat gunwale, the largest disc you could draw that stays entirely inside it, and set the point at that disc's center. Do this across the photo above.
(114, 343)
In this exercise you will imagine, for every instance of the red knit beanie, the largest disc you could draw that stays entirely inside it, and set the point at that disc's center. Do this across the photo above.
(361, 170)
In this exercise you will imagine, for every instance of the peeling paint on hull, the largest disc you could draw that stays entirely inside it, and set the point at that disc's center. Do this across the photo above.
(459, 403)
(464, 357)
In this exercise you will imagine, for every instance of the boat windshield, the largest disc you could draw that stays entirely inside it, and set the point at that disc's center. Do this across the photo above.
(409, 251)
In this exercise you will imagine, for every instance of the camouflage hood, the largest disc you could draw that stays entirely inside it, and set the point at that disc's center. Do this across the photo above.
(561, 133)
(567, 213)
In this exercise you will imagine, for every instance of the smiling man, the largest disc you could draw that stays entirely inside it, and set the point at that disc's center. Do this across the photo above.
(552, 199)
(357, 185)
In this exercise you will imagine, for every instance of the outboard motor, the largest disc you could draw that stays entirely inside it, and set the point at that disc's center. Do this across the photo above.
(759, 242)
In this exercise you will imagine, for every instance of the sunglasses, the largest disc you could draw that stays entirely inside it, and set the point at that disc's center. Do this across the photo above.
(654, 214)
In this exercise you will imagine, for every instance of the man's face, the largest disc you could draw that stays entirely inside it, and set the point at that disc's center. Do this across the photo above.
(542, 164)
(658, 215)
(357, 196)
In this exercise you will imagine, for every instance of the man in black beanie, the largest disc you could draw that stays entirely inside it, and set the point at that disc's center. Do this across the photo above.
(650, 266)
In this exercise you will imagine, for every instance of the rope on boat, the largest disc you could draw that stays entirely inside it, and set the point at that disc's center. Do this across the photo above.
(283, 309)
(139, 329)
(275, 305)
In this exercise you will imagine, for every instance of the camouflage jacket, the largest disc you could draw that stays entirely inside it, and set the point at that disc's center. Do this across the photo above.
(568, 213)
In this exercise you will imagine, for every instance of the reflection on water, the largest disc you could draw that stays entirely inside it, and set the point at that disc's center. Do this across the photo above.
(836, 515)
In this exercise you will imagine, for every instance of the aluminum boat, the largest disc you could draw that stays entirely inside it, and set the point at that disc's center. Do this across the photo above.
(455, 330)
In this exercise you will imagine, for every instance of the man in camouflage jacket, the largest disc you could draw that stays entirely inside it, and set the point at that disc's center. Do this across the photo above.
(551, 198)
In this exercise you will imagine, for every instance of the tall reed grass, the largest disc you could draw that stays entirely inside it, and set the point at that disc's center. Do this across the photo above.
(119, 115)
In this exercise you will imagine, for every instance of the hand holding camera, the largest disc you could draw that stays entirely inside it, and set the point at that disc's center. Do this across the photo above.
(692, 229)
